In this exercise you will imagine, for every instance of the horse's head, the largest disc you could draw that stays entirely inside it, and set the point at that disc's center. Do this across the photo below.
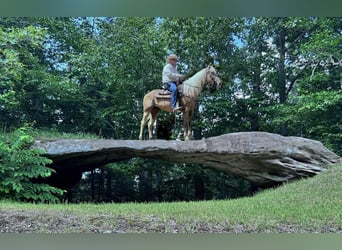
(213, 81)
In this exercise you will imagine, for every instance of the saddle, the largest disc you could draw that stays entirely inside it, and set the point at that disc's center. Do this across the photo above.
(164, 93)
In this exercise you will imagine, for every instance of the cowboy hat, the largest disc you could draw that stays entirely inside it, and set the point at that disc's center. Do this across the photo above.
(170, 57)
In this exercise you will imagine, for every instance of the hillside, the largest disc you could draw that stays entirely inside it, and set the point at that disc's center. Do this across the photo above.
(308, 205)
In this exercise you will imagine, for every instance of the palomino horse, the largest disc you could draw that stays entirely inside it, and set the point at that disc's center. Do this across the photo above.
(190, 91)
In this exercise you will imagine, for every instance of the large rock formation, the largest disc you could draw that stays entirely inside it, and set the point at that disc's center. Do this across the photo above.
(263, 158)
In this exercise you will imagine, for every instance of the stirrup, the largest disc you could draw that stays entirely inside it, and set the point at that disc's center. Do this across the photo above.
(179, 108)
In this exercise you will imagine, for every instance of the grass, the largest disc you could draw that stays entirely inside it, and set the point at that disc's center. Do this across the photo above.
(52, 134)
(308, 205)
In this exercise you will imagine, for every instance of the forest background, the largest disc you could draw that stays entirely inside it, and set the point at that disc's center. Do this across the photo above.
(89, 76)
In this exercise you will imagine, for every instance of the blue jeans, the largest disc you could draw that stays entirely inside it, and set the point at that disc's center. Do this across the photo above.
(174, 93)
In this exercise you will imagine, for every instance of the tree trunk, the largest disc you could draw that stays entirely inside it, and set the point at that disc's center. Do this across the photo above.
(145, 186)
(92, 184)
(282, 75)
(199, 187)
(109, 191)
(256, 89)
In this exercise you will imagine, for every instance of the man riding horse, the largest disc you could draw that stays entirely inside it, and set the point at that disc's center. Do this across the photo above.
(170, 78)
(156, 100)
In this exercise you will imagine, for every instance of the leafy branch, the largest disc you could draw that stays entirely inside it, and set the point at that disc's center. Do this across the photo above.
(21, 167)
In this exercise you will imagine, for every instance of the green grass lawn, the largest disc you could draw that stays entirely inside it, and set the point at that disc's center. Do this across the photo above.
(308, 205)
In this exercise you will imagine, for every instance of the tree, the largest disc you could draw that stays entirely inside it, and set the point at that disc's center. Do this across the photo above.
(19, 73)
(314, 110)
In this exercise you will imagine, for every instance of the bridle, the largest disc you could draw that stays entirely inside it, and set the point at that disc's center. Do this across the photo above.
(212, 82)
(212, 78)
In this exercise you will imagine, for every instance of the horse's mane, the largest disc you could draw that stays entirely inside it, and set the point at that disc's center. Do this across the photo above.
(192, 87)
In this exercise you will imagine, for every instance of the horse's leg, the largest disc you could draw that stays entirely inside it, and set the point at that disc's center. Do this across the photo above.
(143, 122)
(189, 125)
(187, 116)
(154, 113)
(186, 125)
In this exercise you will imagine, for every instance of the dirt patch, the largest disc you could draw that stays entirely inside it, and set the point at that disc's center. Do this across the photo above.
(26, 221)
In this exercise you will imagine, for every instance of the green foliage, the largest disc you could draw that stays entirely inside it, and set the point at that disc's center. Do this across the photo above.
(16, 46)
(316, 115)
(140, 180)
(20, 169)
(89, 75)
